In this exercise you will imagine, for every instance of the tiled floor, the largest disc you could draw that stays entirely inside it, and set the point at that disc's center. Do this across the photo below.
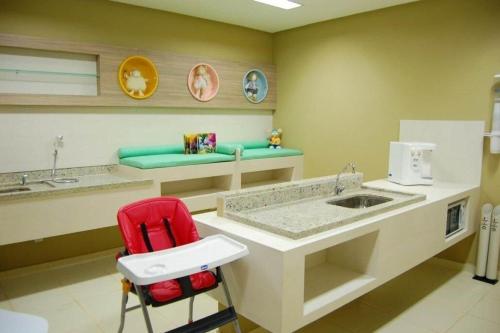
(430, 298)
(86, 298)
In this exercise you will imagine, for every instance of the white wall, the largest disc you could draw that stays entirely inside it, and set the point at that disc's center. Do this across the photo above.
(93, 135)
(458, 156)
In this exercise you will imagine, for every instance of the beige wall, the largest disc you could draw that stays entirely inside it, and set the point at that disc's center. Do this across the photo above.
(109, 23)
(102, 21)
(106, 22)
(344, 84)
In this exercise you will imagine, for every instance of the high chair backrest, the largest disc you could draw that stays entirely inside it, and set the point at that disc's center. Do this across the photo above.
(156, 224)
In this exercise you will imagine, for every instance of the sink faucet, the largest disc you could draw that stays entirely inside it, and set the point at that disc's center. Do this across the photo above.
(57, 144)
(339, 188)
(53, 172)
(24, 179)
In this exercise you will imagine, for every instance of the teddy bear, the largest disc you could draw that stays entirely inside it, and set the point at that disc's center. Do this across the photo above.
(136, 83)
(275, 139)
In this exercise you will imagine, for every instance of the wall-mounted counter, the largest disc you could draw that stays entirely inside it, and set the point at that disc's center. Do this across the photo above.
(48, 188)
(42, 208)
(47, 209)
(286, 283)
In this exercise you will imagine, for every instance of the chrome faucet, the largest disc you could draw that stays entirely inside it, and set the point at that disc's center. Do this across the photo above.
(53, 172)
(24, 179)
(57, 143)
(339, 188)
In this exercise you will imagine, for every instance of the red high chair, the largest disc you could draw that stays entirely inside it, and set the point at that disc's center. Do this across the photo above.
(160, 224)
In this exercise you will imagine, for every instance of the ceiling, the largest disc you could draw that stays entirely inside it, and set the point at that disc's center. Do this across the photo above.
(258, 16)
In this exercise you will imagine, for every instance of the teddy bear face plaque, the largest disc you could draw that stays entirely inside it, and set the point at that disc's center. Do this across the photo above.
(138, 77)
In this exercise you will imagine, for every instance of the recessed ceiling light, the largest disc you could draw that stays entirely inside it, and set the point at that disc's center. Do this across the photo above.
(284, 4)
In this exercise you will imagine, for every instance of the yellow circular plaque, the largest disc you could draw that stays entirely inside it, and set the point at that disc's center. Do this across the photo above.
(138, 77)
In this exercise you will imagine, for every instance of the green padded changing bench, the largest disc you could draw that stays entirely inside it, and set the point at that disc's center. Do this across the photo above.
(197, 178)
(260, 149)
(173, 155)
(167, 156)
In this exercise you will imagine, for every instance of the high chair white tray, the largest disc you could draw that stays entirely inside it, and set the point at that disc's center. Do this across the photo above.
(210, 252)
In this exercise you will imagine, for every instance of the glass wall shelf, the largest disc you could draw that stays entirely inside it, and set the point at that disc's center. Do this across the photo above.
(25, 71)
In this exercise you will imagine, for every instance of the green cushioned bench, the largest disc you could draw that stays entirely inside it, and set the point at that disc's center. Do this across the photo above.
(260, 149)
(172, 160)
(173, 155)
(169, 156)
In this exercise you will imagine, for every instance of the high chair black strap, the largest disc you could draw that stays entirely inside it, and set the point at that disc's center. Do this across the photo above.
(169, 232)
(185, 281)
(145, 236)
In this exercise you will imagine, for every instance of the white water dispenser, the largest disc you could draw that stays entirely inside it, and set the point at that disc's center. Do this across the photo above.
(410, 163)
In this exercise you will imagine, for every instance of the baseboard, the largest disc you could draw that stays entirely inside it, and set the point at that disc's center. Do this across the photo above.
(468, 267)
(452, 264)
(18, 272)
(485, 279)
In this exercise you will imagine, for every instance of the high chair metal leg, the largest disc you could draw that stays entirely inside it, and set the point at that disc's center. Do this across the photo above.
(144, 308)
(125, 290)
(122, 314)
(236, 323)
(191, 301)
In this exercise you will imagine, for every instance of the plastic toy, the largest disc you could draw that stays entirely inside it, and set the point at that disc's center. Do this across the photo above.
(275, 139)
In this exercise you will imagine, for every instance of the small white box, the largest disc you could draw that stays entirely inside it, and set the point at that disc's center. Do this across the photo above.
(410, 163)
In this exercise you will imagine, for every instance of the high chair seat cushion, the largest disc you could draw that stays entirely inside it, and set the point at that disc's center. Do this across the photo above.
(202, 280)
(153, 213)
(165, 291)
(157, 224)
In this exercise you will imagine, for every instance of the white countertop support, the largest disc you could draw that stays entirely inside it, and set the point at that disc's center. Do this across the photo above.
(284, 284)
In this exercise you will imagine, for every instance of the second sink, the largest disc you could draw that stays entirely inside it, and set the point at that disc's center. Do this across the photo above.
(360, 201)
(14, 189)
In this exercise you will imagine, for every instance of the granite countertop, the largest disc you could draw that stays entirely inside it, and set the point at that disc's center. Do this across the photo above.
(303, 210)
(39, 185)
(310, 216)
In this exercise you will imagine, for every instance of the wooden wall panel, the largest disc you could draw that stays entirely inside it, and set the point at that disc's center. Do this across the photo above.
(173, 70)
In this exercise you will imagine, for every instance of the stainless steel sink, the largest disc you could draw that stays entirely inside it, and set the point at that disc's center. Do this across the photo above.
(360, 201)
(14, 189)
(35, 186)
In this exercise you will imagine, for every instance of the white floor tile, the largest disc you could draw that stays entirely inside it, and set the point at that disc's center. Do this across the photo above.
(41, 301)
(434, 315)
(316, 327)
(488, 309)
(399, 326)
(5, 305)
(471, 324)
(460, 298)
(86, 297)
(29, 284)
(495, 291)
(348, 316)
(68, 318)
